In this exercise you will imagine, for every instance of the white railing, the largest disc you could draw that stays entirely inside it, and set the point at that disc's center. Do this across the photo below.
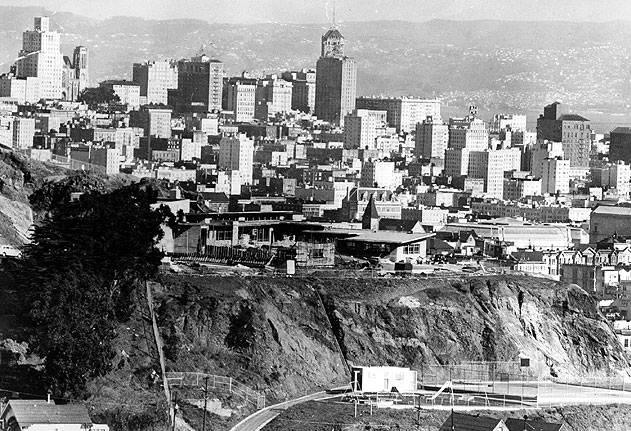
(215, 382)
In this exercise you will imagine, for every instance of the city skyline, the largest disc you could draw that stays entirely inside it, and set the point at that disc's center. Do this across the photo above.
(320, 11)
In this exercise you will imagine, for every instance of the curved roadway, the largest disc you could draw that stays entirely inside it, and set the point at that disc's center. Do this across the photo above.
(259, 419)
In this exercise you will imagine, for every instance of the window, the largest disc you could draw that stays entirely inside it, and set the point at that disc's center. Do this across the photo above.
(317, 253)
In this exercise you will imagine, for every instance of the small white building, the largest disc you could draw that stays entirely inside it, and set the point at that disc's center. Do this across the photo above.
(622, 329)
(384, 379)
(41, 415)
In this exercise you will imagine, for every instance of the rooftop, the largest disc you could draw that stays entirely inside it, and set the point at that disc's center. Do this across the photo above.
(466, 422)
(30, 412)
(622, 130)
(572, 117)
(604, 209)
(516, 424)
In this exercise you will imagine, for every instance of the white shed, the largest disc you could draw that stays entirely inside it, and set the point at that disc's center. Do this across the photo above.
(383, 379)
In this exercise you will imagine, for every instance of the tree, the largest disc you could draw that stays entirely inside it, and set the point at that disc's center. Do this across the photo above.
(98, 97)
(80, 273)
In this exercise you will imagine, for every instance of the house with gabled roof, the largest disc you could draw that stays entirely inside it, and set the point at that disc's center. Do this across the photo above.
(517, 424)
(468, 422)
(42, 415)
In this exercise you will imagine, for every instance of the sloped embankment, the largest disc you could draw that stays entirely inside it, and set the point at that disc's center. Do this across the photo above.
(291, 336)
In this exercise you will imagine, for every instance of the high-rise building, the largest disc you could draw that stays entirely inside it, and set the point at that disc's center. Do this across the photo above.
(23, 90)
(572, 130)
(237, 153)
(80, 64)
(555, 177)
(456, 162)
(108, 158)
(41, 57)
(432, 137)
(241, 98)
(336, 80)
(469, 132)
(155, 122)
(303, 90)
(541, 151)
(404, 113)
(490, 165)
(614, 176)
(200, 84)
(273, 96)
(155, 79)
(23, 132)
(361, 128)
(620, 144)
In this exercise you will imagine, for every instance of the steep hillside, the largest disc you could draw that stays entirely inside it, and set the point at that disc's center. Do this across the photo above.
(289, 336)
(19, 176)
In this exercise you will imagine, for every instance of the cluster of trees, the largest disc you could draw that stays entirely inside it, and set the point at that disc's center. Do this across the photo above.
(98, 98)
(81, 271)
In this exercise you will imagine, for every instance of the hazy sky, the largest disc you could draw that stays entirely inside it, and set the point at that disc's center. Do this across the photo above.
(314, 11)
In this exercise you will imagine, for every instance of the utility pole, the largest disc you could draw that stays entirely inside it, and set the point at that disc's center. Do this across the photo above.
(175, 407)
(205, 402)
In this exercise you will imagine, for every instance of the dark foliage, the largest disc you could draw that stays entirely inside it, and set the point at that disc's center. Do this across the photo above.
(80, 272)
(99, 97)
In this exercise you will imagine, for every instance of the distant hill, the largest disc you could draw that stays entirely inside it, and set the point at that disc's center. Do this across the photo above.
(499, 65)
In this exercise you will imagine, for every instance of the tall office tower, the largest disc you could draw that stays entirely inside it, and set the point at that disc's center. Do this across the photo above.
(572, 130)
(200, 84)
(514, 122)
(80, 63)
(404, 113)
(23, 132)
(336, 80)
(154, 121)
(241, 98)
(303, 90)
(155, 78)
(555, 176)
(541, 151)
(237, 153)
(361, 127)
(273, 96)
(432, 137)
(490, 165)
(41, 57)
(469, 132)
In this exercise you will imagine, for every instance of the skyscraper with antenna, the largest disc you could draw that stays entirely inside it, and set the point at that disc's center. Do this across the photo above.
(336, 78)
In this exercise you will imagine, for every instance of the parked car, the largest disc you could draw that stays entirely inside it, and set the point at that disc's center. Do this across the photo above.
(7, 250)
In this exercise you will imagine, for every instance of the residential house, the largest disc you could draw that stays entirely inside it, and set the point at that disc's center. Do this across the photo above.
(467, 422)
(42, 415)
(536, 424)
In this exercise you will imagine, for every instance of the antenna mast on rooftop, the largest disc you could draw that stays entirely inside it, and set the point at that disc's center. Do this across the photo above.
(334, 8)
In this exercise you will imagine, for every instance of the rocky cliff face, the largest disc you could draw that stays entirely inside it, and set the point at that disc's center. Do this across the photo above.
(290, 336)
(18, 177)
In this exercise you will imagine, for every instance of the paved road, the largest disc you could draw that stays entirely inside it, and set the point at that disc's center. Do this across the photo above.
(258, 420)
